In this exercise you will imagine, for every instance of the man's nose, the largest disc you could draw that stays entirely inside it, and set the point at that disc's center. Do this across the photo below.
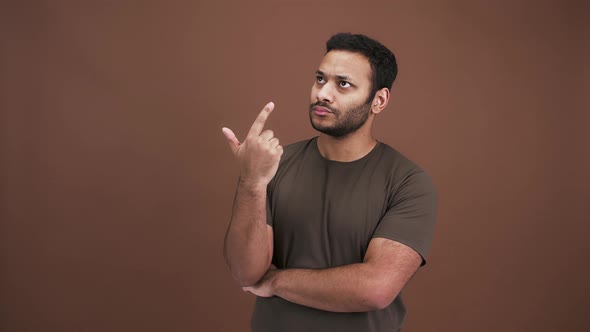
(326, 93)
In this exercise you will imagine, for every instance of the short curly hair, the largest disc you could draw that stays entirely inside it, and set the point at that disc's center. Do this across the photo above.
(382, 60)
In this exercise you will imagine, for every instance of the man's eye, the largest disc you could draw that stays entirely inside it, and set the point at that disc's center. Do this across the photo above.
(319, 79)
(344, 84)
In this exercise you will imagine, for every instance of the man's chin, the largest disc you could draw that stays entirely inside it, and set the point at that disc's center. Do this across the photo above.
(316, 124)
(319, 124)
(327, 131)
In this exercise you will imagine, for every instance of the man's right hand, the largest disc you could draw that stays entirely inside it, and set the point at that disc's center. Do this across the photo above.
(259, 154)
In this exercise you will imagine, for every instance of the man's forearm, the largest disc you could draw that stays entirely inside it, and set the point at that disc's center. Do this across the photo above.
(350, 288)
(246, 247)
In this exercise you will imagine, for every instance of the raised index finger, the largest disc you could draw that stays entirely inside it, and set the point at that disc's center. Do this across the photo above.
(258, 124)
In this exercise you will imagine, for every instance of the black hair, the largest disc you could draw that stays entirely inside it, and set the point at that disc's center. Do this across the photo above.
(382, 60)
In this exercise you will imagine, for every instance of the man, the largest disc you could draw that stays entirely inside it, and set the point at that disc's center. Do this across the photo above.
(326, 232)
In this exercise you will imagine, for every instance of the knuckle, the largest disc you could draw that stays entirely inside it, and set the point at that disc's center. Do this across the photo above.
(261, 140)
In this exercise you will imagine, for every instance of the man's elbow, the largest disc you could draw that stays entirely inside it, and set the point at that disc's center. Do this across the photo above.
(246, 275)
(378, 303)
(379, 298)
(247, 279)
(246, 282)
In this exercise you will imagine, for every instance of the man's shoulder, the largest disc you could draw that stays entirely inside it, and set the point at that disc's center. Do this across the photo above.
(396, 160)
(403, 171)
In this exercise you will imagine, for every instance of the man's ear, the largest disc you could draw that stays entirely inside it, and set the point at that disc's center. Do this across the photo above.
(380, 100)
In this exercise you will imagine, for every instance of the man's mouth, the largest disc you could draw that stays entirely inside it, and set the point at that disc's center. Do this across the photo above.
(321, 111)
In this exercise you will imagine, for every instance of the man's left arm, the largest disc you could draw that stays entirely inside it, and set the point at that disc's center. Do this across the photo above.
(370, 285)
(398, 248)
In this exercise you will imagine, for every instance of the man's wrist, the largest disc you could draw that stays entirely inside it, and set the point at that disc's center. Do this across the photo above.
(274, 282)
(252, 185)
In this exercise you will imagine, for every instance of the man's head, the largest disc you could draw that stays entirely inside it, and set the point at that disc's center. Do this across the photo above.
(381, 59)
(353, 81)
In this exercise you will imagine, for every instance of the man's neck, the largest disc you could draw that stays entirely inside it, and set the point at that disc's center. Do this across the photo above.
(344, 149)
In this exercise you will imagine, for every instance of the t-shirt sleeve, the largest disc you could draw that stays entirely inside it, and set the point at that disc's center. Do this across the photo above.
(411, 214)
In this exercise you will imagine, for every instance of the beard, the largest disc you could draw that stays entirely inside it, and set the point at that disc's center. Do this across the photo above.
(346, 122)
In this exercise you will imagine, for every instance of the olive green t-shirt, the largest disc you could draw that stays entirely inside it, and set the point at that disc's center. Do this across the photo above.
(324, 213)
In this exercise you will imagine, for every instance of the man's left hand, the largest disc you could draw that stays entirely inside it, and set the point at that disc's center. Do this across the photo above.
(264, 287)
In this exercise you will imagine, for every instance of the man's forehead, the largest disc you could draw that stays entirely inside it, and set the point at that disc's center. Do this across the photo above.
(345, 63)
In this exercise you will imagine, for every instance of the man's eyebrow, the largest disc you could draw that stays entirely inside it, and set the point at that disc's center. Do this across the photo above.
(340, 77)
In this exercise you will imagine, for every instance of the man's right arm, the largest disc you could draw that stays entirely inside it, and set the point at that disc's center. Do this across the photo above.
(248, 246)
(249, 239)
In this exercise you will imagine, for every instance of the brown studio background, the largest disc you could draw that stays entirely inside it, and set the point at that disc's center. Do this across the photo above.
(116, 183)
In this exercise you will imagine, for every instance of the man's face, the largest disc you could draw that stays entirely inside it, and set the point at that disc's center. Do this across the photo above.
(339, 96)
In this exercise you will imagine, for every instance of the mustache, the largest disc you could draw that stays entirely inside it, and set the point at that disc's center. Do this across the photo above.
(324, 105)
